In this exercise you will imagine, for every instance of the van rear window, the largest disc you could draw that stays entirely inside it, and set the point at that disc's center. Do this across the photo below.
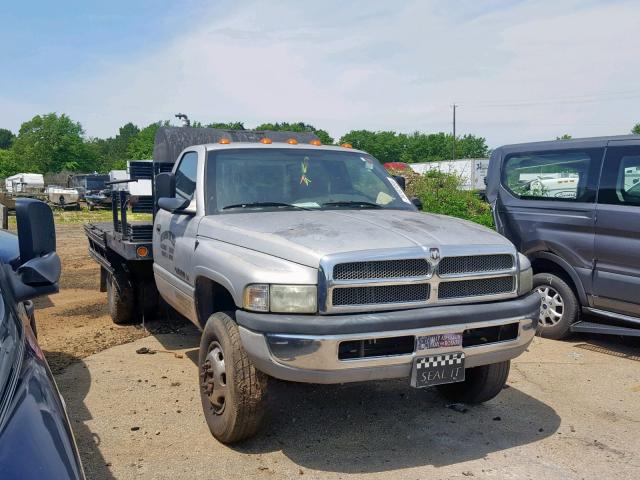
(562, 175)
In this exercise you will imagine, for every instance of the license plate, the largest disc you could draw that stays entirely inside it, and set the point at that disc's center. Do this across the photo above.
(437, 369)
(443, 340)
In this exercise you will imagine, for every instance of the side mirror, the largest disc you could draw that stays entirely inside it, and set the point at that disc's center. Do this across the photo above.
(36, 230)
(401, 181)
(165, 185)
(173, 205)
(39, 266)
(417, 203)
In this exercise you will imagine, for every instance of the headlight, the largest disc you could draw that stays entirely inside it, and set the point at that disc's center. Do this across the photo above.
(281, 298)
(525, 275)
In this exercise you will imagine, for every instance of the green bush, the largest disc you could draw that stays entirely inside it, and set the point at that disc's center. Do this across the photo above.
(440, 193)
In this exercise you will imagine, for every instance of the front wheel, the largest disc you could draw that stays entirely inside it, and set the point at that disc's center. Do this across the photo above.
(480, 385)
(559, 308)
(232, 391)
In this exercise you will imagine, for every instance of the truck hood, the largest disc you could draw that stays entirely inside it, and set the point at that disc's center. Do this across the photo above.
(305, 237)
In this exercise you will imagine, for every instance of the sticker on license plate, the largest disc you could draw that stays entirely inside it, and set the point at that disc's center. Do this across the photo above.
(437, 369)
(443, 340)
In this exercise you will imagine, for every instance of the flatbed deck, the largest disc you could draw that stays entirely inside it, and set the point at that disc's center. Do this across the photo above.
(106, 238)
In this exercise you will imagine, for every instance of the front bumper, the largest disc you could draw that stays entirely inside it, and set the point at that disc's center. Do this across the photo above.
(304, 348)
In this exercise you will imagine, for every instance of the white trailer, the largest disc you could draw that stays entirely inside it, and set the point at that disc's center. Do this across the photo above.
(471, 171)
(24, 183)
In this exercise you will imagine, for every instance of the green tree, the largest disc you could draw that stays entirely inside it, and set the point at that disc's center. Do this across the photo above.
(565, 136)
(8, 165)
(227, 125)
(6, 138)
(636, 129)
(141, 146)
(323, 135)
(385, 146)
(416, 147)
(52, 143)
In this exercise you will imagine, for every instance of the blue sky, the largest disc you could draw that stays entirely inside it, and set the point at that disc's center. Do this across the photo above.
(519, 70)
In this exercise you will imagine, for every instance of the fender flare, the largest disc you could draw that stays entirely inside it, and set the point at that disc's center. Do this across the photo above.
(566, 267)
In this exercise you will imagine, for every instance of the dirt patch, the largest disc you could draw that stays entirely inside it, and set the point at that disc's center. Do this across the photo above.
(75, 322)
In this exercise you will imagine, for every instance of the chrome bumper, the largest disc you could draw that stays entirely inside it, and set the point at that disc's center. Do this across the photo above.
(314, 358)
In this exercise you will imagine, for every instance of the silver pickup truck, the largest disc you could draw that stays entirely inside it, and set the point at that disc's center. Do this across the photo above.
(308, 263)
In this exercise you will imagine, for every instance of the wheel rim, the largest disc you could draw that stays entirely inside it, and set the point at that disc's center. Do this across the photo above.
(552, 306)
(214, 378)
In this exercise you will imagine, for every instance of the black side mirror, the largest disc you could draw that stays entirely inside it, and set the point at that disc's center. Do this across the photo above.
(39, 266)
(36, 230)
(401, 181)
(417, 203)
(165, 185)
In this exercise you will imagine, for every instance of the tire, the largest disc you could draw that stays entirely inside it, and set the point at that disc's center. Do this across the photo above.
(232, 391)
(481, 384)
(557, 298)
(120, 299)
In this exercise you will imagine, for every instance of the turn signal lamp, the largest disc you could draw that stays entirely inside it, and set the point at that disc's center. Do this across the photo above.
(266, 141)
(292, 141)
(142, 251)
(346, 145)
(224, 141)
(315, 142)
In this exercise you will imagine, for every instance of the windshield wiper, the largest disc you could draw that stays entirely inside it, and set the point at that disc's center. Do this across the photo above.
(263, 204)
(352, 203)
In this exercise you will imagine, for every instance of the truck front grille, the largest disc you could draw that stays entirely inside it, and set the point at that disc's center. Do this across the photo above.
(409, 268)
(476, 288)
(475, 264)
(384, 294)
(415, 277)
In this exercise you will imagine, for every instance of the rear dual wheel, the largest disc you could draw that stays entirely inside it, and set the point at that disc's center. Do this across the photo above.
(120, 299)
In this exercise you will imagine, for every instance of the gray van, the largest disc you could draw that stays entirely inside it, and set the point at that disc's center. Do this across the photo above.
(573, 208)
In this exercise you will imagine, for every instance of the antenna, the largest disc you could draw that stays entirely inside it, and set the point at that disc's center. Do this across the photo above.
(185, 120)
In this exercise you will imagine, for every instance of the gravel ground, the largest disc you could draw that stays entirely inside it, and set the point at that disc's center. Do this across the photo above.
(571, 411)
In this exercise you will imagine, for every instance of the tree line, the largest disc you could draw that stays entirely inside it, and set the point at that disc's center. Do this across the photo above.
(53, 143)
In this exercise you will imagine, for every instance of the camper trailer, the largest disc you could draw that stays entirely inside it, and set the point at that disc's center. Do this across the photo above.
(24, 184)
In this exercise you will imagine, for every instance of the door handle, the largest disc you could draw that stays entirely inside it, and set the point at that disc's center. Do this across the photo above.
(158, 228)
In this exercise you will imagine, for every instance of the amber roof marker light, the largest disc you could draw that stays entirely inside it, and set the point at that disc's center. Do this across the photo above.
(292, 141)
(224, 141)
(346, 145)
(315, 142)
(266, 141)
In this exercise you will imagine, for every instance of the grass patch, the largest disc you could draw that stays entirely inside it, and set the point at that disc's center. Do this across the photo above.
(84, 215)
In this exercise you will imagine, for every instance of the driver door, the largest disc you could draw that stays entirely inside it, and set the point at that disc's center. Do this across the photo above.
(174, 240)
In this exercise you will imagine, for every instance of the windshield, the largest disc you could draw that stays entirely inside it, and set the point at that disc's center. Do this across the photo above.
(258, 178)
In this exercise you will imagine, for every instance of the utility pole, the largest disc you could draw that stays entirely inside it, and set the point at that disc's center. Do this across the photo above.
(453, 149)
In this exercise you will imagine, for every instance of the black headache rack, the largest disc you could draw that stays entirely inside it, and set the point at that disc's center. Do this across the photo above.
(124, 239)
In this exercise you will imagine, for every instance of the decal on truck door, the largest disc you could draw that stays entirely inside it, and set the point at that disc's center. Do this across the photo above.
(167, 244)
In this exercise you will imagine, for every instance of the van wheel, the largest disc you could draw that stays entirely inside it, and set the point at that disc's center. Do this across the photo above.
(232, 391)
(480, 385)
(559, 308)
(120, 299)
